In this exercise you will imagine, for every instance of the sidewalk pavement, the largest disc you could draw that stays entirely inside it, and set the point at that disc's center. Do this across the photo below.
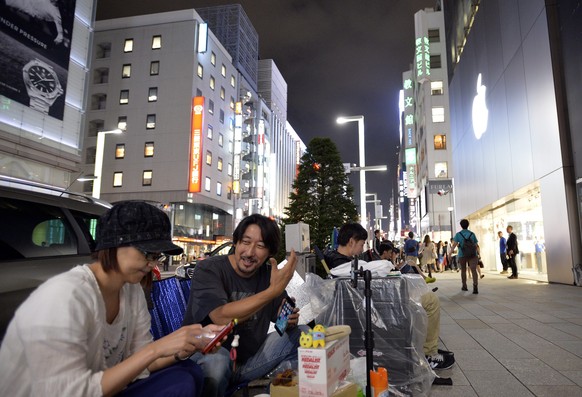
(515, 338)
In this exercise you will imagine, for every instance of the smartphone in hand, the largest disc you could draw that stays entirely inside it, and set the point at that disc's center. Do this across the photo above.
(283, 317)
(225, 331)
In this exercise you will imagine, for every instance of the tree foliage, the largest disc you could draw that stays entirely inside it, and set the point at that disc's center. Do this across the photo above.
(322, 196)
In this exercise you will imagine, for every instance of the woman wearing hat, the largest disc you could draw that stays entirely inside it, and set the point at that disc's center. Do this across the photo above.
(86, 332)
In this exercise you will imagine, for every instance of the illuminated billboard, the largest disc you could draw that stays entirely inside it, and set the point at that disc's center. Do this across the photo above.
(195, 174)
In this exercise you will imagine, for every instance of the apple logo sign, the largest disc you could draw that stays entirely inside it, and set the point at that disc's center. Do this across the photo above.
(480, 111)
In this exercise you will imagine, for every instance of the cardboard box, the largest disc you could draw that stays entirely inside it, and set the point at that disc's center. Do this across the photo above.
(346, 389)
(321, 370)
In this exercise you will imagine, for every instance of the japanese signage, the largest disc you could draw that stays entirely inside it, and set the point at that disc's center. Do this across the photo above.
(422, 58)
(195, 174)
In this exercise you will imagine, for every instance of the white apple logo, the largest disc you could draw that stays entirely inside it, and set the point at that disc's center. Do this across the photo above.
(480, 111)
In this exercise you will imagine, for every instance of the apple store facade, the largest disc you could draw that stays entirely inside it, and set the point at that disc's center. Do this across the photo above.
(513, 139)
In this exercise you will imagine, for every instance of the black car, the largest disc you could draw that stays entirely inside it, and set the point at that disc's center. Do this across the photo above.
(43, 231)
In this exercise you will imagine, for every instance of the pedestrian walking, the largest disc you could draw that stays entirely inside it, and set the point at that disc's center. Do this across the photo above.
(468, 254)
(512, 251)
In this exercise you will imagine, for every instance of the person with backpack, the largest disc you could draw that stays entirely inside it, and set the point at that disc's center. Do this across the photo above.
(468, 254)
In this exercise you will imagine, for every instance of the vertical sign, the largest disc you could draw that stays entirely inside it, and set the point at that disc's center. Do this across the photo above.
(410, 158)
(422, 58)
(237, 147)
(195, 176)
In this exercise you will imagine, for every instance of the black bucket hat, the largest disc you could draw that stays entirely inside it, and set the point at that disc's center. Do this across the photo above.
(137, 224)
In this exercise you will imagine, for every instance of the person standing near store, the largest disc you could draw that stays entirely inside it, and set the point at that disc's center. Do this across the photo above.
(539, 247)
(503, 251)
(411, 250)
(464, 257)
(428, 258)
(512, 251)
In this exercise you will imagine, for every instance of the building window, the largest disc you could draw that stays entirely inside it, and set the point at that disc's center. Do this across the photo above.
(154, 68)
(95, 126)
(220, 140)
(435, 61)
(438, 114)
(198, 92)
(147, 178)
(153, 94)
(210, 106)
(440, 142)
(229, 169)
(156, 42)
(122, 122)
(90, 155)
(440, 169)
(126, 71)
(436, 88)
(232, 80)
(212, 83)
(120, 151)
(218, 189)
(208, 157)
(219, 164)
(210, 132)
(213, 58)
(231, 103)
(221, 116)
(207, 184)
(230, 146)
(151, 121)
(103, 50)
(148, 149)
(101, 76)
(98, 101)
(124, 97)
(128, 46)
(200, 71)
(434, 36)
(223, 70)
(117, 179)
(222, 93)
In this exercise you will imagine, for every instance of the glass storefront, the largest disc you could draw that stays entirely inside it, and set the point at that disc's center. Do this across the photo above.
(523, 211)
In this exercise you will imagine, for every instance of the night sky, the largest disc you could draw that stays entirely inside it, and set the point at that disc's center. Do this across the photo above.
(338, 57)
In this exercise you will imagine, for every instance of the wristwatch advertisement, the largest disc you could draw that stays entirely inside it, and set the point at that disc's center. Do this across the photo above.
(42, 84)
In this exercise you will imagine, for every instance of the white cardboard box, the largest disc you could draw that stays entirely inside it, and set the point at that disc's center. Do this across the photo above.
(321, 370)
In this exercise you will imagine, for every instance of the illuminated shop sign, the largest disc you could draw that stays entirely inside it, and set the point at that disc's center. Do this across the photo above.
(196, 145)
(202, 37)
(410, 159)
(238, 122)
(422, 58)
(480, 111)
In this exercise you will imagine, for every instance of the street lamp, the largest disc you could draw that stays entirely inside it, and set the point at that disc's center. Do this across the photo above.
(99, 160)
(451, 218)
(360, 120)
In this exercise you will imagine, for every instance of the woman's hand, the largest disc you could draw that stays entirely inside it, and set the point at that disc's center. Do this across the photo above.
(186, 340)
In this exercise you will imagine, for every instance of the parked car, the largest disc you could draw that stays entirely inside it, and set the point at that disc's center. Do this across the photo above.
(185, 271)
(43, 231)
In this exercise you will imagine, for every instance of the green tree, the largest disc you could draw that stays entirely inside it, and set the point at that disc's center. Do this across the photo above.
(322, 196)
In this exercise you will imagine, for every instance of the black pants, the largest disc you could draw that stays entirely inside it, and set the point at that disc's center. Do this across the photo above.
(512, 264)
(504, 261)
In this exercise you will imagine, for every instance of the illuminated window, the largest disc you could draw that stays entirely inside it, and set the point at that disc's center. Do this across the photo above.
(154, 68)
(229, 169)
(434, 36)
(208, 157)
(210, 106)
(231, 103)
(210, 132)
(122, 122)
(230, 146)
(156, 42)
(120, 151)
(223, 70)
(200, 70)
(213, 58)
(438, 114)
(219, 164)
(207, 184)
(232, 80)
(218, 189)
(148, 149)
(435, 61)
(440, 169)
(117, 179)
(126, 71)
(220, 140)
(436, 88)
(212, 83)
(124, 97)
(440, 142)
(153, 94)
(151, 121)
(147, 178)
(222, 93)
(128, 46)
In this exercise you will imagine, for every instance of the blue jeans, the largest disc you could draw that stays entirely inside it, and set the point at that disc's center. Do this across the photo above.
(218, 369)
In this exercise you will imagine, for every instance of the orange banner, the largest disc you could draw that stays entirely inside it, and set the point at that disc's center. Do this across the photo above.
(195, 175)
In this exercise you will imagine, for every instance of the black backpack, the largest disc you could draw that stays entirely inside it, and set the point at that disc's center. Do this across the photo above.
(469, 247)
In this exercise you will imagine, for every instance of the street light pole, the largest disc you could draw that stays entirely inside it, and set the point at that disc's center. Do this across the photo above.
(360, 120)
(451, 218)
(99, 160)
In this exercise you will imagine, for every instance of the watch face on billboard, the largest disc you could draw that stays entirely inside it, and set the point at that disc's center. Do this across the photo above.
(480, 111)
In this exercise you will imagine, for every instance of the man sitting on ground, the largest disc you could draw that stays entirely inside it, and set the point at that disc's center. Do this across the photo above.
(351, 240)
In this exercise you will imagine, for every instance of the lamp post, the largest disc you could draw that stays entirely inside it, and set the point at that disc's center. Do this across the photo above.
(360, 120)
(451, 218)
(99, 160)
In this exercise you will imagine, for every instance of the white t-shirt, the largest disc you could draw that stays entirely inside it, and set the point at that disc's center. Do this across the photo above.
(55, 344)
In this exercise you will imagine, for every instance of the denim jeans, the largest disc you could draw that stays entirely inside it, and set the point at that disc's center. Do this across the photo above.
(218, 368)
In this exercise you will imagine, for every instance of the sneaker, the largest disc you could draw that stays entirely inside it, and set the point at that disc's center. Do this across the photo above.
(482, 275)
(464, 289)
(503, 272)
(429, 280)
(445, 352)
(441, 361)
(512, 277)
